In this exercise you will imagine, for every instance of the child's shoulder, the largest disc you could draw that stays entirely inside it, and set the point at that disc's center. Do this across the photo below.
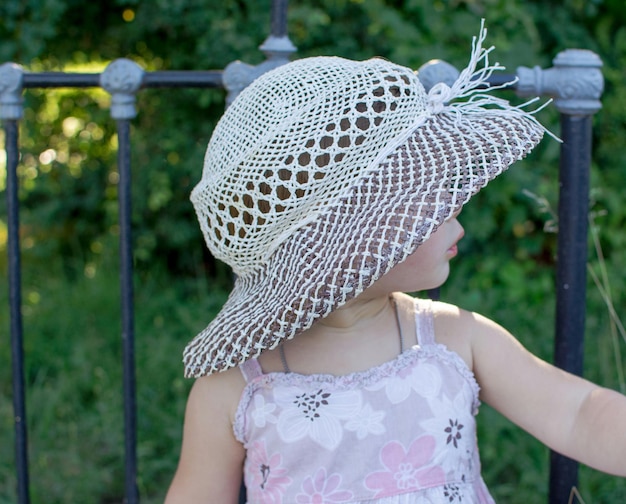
(447, 317)
(450, 318)
(456, 328)
(465, 332)
(218, 393)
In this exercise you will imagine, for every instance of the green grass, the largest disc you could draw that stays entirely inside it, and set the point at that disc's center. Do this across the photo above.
(74, 385)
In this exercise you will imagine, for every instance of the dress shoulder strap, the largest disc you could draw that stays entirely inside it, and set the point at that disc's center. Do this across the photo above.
(250, 370)
(424, 322)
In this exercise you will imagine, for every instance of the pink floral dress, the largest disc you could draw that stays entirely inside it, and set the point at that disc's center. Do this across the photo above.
(403, 432)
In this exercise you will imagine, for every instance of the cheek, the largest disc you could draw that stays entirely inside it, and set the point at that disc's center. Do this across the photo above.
(420, 272)
(417, 265)
(424, 255)
(428, 262)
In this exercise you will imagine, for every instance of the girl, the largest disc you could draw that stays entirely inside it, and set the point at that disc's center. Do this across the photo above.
(331, 186)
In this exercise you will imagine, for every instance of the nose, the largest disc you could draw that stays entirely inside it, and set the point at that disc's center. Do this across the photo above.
(454, 222)
(461, 230)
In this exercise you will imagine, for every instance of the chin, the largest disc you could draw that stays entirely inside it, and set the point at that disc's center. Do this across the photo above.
(439, 280)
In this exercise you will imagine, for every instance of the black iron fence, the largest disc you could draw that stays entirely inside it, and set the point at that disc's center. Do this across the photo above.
(575, 82)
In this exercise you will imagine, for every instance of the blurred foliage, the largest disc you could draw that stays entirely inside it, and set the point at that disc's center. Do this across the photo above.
(68, 150)
(68, 191)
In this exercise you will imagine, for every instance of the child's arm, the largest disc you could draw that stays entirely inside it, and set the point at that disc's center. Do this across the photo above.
(210, 466)
(570, 415)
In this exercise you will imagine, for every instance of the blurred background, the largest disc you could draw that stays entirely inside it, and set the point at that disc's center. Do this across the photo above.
(69, 232)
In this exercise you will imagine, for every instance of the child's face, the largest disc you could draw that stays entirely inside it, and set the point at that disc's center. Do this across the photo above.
(427, 268)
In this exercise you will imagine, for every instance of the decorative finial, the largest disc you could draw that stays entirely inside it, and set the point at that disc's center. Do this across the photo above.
(575, 82)
(11, 76)
(122, 79)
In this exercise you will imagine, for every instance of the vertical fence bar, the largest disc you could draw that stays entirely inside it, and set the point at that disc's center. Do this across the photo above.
(571, 275)
(122, 79)
(11, 81)
(277, 48)
(128, 330)
(15, 300)
(580, 85)
(576, 84)
(278, 22)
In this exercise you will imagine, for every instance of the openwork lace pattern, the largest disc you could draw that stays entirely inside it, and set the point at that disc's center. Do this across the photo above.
(327, 172)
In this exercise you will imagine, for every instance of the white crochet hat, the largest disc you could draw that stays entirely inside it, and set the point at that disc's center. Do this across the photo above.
(325, 173)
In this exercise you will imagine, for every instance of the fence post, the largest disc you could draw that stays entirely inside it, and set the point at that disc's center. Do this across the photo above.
(277, 49)
(576, 83)
(11, 78)
(122, 79)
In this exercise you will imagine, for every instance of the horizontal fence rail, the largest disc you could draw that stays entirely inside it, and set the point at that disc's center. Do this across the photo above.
(123, 79)
(169, 79)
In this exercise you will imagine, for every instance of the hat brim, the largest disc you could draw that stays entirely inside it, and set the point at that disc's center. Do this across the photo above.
(392, 209)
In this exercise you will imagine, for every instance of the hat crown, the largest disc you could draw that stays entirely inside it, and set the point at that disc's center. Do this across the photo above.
(295, 141)
(325, 173)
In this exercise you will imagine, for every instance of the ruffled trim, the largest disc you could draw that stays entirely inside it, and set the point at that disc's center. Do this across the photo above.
(359, 379)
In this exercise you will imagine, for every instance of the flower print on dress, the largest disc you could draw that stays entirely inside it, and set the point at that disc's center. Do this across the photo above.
(452, 493)
(321, 489)
(406, 470)
(267, 479)
(367, 421)
(454, 432)
(453, 427)
(422, 378)
(262, 412)
(316, 414)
